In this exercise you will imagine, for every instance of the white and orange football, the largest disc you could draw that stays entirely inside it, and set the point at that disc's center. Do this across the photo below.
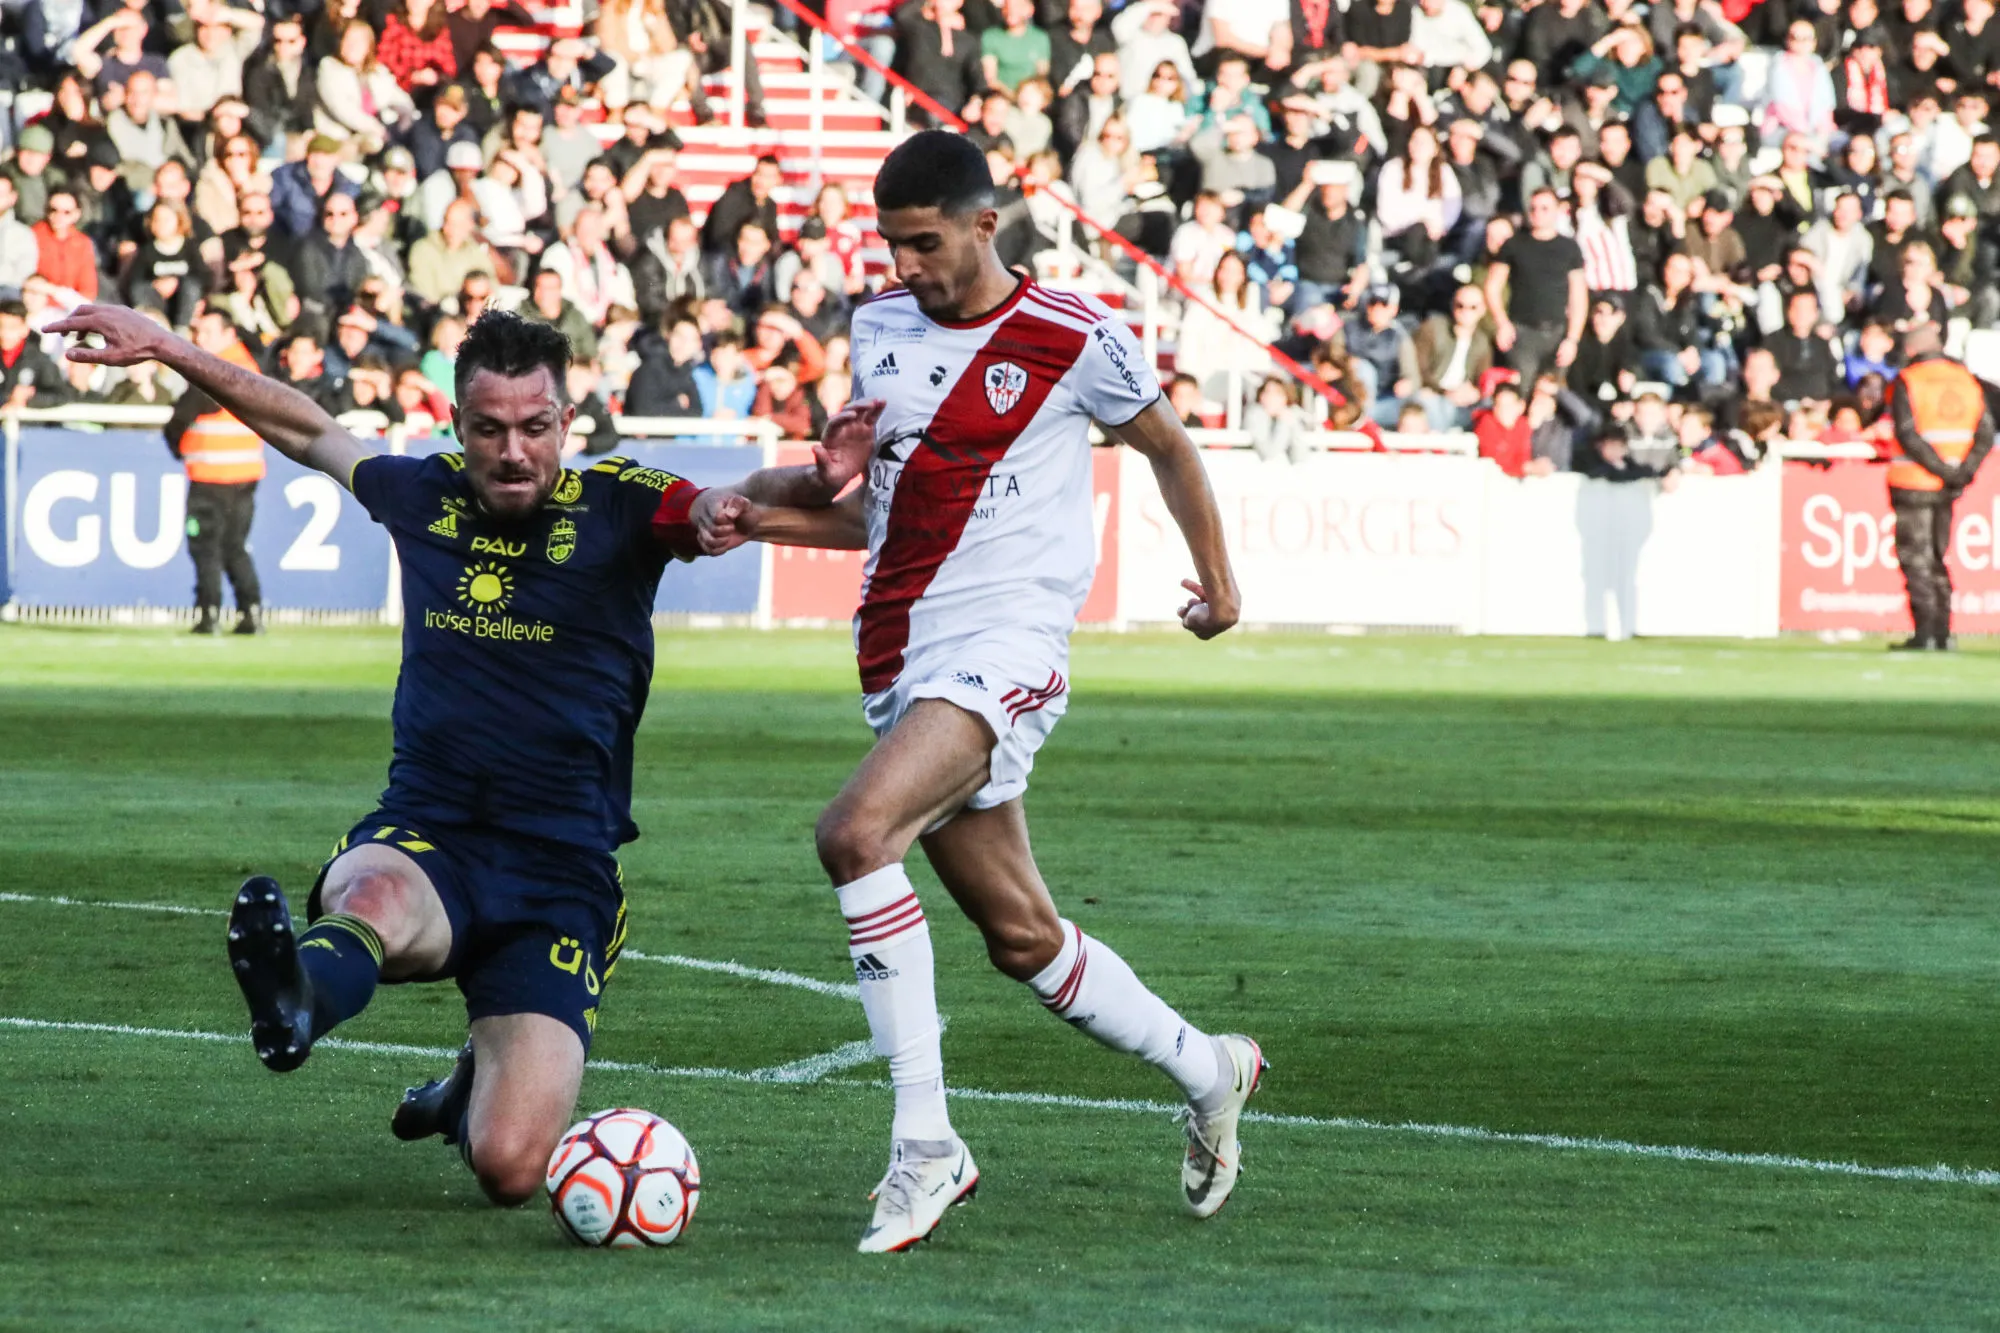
(623, 1178)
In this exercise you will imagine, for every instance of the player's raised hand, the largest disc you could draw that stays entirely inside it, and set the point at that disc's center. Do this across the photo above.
(129, 337)
(722, 521)
(844, 447)
(1199, 617)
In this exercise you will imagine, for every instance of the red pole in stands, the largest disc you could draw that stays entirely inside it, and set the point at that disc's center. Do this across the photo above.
(944, 115)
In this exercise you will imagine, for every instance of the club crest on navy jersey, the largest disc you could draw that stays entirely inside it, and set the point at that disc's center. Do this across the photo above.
(1005, 383)
(562, 541)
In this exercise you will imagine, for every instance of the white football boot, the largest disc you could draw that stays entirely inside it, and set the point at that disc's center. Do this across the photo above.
(912, 1198)
(1214, 1155)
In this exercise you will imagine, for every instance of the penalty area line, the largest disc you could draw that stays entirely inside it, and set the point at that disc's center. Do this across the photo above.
(770, 975)
(1939, 1175)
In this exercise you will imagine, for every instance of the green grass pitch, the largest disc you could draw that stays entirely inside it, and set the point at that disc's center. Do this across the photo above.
(1733, 897)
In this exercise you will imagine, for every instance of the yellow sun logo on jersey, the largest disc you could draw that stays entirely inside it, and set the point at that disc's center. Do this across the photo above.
(485, 586)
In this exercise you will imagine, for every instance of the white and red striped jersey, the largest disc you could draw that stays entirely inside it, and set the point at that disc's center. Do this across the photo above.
(979, 500)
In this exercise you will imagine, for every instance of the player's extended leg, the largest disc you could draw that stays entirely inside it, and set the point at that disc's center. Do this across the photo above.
(984, 859)
(934, 758)
(529, 1068)
(382, 917)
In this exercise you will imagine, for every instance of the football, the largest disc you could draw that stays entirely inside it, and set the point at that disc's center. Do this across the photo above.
(623, 1178)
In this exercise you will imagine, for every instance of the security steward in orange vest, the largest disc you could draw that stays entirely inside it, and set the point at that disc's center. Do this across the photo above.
(1944, 429)
(224, 461)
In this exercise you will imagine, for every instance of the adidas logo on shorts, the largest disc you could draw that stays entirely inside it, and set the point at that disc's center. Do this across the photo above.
(967, 678)
(869, 968)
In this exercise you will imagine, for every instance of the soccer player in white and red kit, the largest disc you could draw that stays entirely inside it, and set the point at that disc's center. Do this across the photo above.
(977, 516)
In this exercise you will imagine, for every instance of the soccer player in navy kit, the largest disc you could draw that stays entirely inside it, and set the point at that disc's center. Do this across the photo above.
(528, 592)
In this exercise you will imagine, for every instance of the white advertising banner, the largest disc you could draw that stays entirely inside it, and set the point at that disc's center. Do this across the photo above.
(1567, 555)
(1452, 543)
(1368, 539)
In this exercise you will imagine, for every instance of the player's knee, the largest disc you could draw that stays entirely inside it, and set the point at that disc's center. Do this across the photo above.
(380, 898)
(510, 1166)
(849, 844)
(1021, 949)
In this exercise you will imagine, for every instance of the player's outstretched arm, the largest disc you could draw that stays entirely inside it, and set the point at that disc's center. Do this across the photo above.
(840, 526)
(1158, 434)
(841, 455)
(288, 421)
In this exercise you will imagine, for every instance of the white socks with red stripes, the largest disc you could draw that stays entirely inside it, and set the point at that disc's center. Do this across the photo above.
(890, 943)
(1092, 988)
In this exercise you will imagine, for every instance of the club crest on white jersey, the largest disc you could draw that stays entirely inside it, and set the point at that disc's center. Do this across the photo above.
(1005, 383)
(978, 500)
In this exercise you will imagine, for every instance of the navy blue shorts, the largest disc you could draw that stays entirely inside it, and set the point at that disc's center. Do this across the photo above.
(536, 926)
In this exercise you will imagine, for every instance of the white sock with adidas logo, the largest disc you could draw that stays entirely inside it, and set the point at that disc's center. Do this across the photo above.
(1091, 987)
(890, 943)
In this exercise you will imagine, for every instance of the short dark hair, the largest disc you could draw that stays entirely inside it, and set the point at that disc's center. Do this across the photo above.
(935, 169)
(510, 346)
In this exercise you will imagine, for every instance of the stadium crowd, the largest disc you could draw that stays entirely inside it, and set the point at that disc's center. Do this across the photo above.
(1623, 239)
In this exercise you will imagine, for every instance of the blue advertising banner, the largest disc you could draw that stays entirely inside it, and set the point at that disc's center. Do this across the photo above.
(100, 520)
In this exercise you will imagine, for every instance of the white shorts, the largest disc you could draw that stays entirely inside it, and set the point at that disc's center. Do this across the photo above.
(1018, 685)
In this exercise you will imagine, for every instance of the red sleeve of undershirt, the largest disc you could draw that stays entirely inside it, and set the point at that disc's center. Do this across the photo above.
(671, 526)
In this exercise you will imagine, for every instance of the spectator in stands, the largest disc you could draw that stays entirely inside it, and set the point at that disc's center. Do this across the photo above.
(360, 102)
(1809, 366)
(1503, 431)
(1232, 167)
(664, 385)
(33, 173)
(1453, 353)
(726, 384)
(281, 85)
(441, 261)
(747, 279)
(1276, 426)
(1015, 49)
(1417, 201)
(936, 52)
(1144, 32)
(1081, 113)
(231, 174)
(546, 304)
(1536, 287)
(1607, 357)
(126, 29)
(415, 48)
(63, 254)
(782, 398)
(1843, 247)
(1555, 418)
(752, 199)
(1332, 249)
(1184, 396)
(299, 189)
(327, 266)
(1211, 342)
(165, 272)
(1384, 354)
(1798, 95)
(28, 378)
(19, 254)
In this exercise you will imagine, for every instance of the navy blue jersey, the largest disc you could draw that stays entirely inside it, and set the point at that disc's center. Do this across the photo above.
(527, 646)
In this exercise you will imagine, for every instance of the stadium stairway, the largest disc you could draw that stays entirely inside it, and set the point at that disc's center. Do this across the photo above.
(854, 137)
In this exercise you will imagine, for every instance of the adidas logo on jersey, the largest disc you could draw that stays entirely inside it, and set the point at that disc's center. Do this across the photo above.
(886, 366)
(446, 526)
(869, 968)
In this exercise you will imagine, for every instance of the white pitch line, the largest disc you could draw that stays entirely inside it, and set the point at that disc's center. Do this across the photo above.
(57, 900)
(843, 990)
(1939, 1175)
(775, 976)
(816, 1067)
